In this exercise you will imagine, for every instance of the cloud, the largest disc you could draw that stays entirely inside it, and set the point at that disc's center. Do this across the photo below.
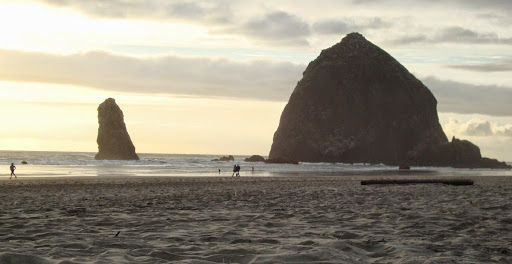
(275, 27)
(496, 66)
(461, 4)
(505, 131)
(206, 77)
(466, 98)
(477, 128)
(198, 11)
(454, 34)
(460, 34)
(341, 27)
(410, 39)
(479, 4)
(260, 80)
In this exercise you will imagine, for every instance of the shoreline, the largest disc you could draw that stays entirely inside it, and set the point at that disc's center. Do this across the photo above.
(253, 220)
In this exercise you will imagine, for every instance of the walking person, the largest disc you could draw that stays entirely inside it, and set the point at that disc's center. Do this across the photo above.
(234, 170)
(12, 171)
(237, 170)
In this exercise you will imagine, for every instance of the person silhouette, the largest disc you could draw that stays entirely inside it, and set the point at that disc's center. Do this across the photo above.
(237, 170)
(12, 171)
(234, 170)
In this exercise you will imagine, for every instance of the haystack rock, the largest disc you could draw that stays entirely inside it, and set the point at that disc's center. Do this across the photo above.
(114, 143)
(356, 103)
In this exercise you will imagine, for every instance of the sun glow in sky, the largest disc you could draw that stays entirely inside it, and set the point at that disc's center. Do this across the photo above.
(213, 76)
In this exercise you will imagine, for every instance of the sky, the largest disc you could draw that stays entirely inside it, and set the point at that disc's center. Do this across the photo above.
(212, 77)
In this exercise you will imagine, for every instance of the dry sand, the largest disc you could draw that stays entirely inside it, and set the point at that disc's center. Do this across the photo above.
(253, 220)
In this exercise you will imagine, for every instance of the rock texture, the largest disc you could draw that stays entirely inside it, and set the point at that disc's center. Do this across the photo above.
(114, 143)
(225, 158)
(282, 160)
(255, 158)
(356, 103)
(457, 153)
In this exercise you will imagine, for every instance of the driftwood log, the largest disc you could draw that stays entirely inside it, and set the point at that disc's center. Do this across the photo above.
(416, 181)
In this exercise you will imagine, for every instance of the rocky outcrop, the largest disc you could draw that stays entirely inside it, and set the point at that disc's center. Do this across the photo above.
(255, 158)
(457, 153)
(225, 158)
(114, 143)
(282, 160)
(356, 103)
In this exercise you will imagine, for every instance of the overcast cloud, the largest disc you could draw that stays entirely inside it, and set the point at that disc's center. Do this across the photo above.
(197, 11)
(454, 34)
(478, 128)
(468, 4)
(342, 27)
(294, 24)
(259, 80)
(466, 98)
(281, 27)
(495, 66)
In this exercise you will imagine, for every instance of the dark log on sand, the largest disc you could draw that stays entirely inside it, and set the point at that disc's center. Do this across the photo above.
(416, 181)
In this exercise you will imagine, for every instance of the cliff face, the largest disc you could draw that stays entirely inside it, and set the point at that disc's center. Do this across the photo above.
(356, 103)
(114, 143)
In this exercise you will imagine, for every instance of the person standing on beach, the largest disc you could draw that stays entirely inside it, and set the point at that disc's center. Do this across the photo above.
(12, 171)
(237, 170)
(234, 170)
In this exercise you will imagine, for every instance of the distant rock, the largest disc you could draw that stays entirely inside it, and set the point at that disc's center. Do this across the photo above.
(114, 143)
(225, 158)
(357, 104)
(457, 153)
(404, 167)
(255, 158)
(281, 160)
(24, 162)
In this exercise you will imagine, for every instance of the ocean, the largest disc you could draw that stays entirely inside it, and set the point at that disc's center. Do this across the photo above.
(82, 164)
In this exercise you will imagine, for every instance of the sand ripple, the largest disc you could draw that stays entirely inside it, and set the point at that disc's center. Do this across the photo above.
(253, 220)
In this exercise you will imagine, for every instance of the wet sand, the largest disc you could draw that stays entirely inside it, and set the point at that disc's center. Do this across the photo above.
(253, 220)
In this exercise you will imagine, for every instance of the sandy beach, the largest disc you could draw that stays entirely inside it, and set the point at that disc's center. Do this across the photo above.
(253, 220)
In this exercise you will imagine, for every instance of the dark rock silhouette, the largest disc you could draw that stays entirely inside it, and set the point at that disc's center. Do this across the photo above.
(356, 103)
(282, 160)
(404, 167)
(255, 158)
(225, 158)
(457, 153)
(114, 143)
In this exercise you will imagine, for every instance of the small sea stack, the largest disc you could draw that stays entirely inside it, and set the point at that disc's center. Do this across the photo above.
(255, 158)
(225, 158)
(114, 143)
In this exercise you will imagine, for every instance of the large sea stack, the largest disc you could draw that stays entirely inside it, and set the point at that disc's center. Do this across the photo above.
(356, 103)
(114, 143)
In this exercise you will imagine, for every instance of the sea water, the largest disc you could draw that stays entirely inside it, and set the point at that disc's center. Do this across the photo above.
(80, 164)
